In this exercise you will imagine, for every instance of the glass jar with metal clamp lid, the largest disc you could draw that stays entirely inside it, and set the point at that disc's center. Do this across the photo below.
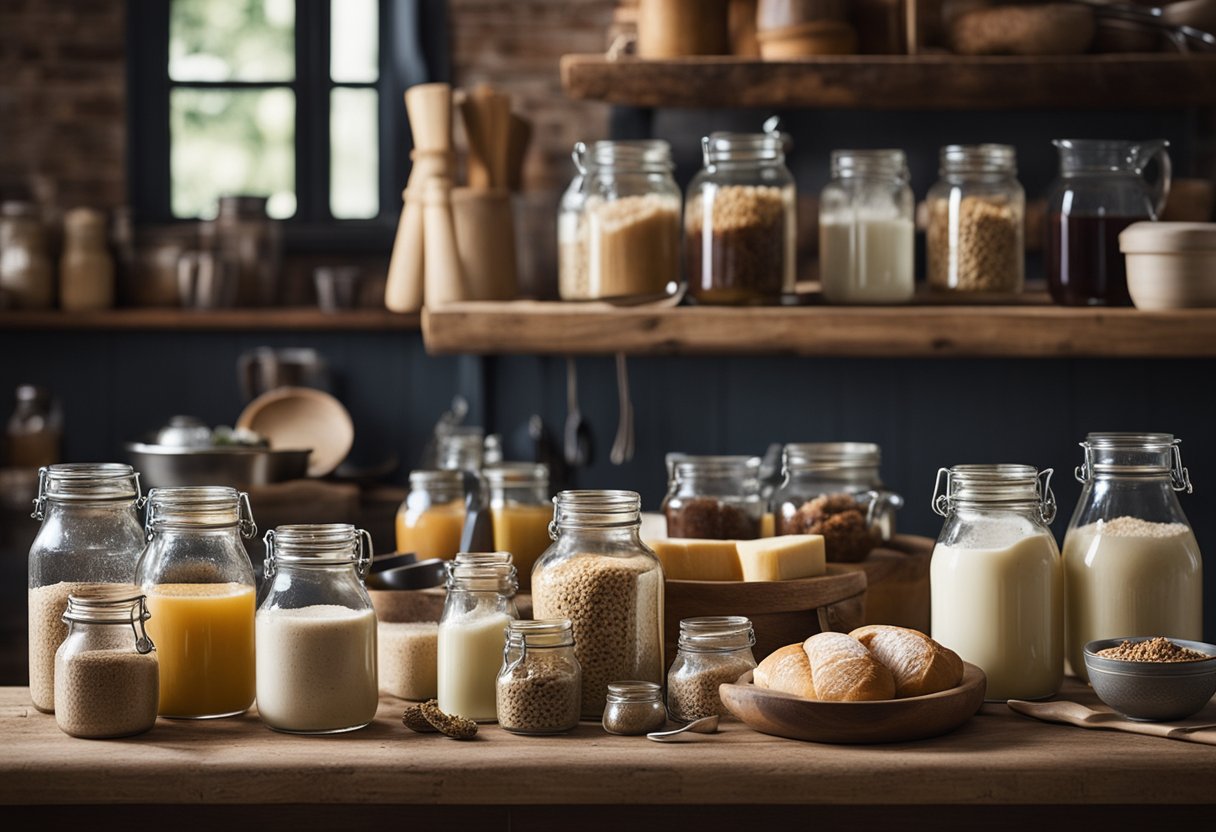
(539, 689)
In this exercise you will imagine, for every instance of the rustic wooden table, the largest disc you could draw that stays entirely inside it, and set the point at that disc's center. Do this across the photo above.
(999, 769)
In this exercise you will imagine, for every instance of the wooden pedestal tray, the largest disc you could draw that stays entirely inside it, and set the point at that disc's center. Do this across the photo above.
(897, 582)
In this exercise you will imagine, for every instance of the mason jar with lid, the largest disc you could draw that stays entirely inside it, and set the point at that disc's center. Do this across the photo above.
(520, 512)
(714, 497)
(201, 594)
(976, 221)
(431, 520)
(539, 688)
(866, 229)
(600, 575)
(740, 226)
(1131, 562)
(713, 650)
(996, 578)
(90, 535)
(106, 670)
(316, 631)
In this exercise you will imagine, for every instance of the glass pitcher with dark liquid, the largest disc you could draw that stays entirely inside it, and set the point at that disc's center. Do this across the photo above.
(1101, 191)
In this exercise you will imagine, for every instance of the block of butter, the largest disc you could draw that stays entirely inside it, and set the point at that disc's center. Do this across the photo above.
(686, 559)
(782, 558)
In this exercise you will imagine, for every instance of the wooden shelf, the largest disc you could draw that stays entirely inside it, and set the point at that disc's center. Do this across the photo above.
(1029, 330)
(213, 320)
(898, 82)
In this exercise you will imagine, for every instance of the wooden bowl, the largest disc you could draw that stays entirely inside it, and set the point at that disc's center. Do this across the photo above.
(301, 417)
(886, 720)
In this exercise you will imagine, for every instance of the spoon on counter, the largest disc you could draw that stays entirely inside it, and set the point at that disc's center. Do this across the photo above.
(704, 725)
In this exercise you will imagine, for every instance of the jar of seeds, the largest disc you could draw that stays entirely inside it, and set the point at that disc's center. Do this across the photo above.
(539, 689)
(634, 708)
(713, 650)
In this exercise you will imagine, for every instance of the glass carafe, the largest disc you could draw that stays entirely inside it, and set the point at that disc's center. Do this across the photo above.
(1131, 561)
(1101, 190)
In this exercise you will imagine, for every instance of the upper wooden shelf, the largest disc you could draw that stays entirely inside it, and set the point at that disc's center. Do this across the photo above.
(898, 82)
(213, 320)
(1028, 330)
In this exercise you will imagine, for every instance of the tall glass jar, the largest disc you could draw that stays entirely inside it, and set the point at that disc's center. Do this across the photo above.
(90, 535)
(600, 575)
(106, 672)
(199, 582)
(539, 689)
(1132, 564)
(27, 278)
(86, 269)
(714, 497)
(520, 511)
(431, 520)
(316, 631)
(866, 230)
(976, 221)
(996, 578)
(713, 650)
(740, 226)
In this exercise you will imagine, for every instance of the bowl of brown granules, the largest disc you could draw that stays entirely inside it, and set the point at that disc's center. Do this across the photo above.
(1152, 678)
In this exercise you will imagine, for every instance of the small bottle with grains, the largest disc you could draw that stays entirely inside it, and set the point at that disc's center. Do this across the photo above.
(539, 689)
(634, 708)
(713, 651)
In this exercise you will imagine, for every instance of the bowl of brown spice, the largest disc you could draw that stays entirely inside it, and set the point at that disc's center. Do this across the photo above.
(1152, 678)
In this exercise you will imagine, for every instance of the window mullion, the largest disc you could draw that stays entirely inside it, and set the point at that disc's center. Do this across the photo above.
(312, 111)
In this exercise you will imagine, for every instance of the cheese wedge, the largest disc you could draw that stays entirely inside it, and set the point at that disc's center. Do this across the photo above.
(782, 558)
(685, 559)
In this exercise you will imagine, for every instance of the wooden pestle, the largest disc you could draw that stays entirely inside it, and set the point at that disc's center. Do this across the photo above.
(444, 277)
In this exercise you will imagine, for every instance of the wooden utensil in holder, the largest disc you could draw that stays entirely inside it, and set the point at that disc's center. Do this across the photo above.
(485, 242)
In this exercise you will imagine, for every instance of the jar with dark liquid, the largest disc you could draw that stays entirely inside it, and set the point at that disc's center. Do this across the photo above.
(1101, 191)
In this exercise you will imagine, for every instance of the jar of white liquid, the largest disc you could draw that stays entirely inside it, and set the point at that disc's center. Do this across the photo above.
(472, 633)
(316, 631)
(996, 577)
(1131, 561)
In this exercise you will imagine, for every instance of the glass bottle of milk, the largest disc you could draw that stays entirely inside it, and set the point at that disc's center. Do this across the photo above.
(1132, 564)
(996, 577)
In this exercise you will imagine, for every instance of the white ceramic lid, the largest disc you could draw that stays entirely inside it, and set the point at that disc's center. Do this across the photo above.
(1167, 237)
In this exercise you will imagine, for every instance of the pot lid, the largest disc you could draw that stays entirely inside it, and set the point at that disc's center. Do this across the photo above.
(1168, 237)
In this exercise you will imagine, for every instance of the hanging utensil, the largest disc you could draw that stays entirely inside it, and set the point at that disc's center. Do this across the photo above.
(623, 446)
(577, 437)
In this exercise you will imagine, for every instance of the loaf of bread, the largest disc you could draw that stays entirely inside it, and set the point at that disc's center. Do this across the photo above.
(843, 670)
(919, 664)
(787, 670)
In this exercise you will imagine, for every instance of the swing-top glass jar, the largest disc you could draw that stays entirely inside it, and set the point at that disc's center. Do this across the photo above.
(1132, 564)
(714, 497)
(472, 632)
(90, 535)
(520, 512)
(540, 684)
(430, 521)
(200, 587)
(713, 650)
(316, 630)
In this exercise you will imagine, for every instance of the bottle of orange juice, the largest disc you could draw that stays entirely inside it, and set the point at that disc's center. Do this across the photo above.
(199, 582)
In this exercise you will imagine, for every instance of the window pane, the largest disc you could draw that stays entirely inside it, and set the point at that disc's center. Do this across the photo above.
(232, 40)
(354, 52)
(232, 142)
(354, 155)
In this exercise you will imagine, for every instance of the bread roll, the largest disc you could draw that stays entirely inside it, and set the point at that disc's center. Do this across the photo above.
(919, 664)
(787, 670)
(843, 670)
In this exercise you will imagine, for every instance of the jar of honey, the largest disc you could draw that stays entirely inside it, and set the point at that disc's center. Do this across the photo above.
(520, 510)
(431, 520)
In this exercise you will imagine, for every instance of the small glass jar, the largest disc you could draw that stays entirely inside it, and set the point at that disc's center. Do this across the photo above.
(431, 520)
(714, 498)
(27, 278)
(86, 269)
(740, 226)
(976, 221)
(633, 708)
(713, 650)
(539, 689)
(520, 512)
(461, 448)
(866, 229)
(201, 593)
(106, 672)
(316, 631)
(90, 535)
(1131, 562)
(600, 575)
(34, 431)
(619, 233)
(996, 579)
(472, 633)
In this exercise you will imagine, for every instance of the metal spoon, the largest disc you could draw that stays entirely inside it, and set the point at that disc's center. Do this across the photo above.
(704, 725)
(622, 448)
(577, 445)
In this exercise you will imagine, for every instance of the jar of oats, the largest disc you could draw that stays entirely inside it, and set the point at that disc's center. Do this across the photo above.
(976, 215)
(539, 688)
(713, 650)
(600, 575)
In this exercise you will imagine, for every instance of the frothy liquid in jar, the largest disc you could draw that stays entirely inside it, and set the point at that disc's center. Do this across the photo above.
(317, 668)
(869, 260)
(470, 655)
(1130, 577)
(1002, 609)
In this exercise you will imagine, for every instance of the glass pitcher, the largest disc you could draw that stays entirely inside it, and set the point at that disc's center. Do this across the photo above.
(1101, 191)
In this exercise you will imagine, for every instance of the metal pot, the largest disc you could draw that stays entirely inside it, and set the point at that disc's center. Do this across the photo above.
(162, 466)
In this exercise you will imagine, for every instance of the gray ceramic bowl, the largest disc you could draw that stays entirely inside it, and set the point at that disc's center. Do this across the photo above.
(1152, 691)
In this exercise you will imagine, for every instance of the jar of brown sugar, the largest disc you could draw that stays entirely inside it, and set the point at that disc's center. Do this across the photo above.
(714, 498)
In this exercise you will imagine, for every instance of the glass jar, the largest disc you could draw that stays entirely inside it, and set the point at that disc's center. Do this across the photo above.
(834, 489)
(539, 689)
(740, 227)
(461, 448)
(34, 430)
(619, 235)
(26, 276)
(1131, 562)
(431, 520)
(90, 535)
(600, 575)
(633, 708)
(86, 269)
(974, 241)
(713, 650)
(472, 633)
(250, 244)
(199, 582)
(316, 631)
(866, 229)
(996, 578)
(714, 497)
(106, 672)
(520, 511)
